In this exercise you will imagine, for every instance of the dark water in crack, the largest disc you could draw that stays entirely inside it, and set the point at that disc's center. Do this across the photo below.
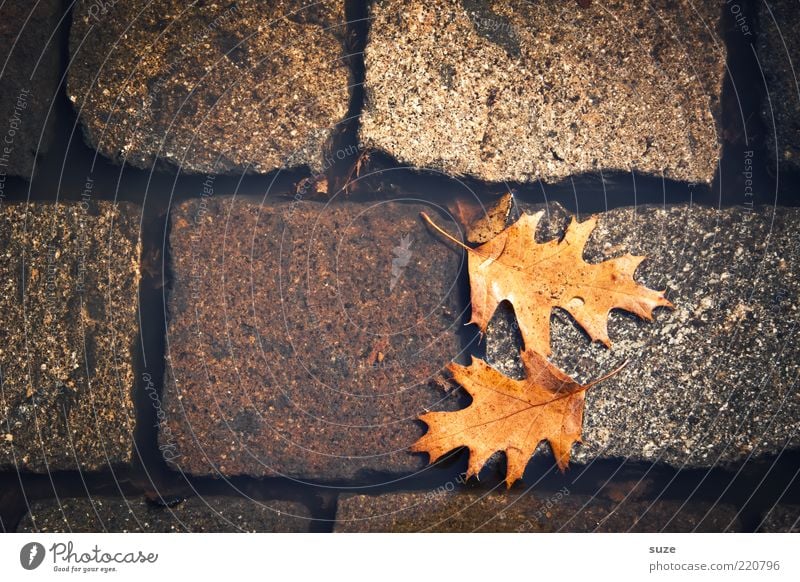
(752, 487)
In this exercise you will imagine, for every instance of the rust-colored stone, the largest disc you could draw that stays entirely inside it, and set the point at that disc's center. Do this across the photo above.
(532, 511)
(304, 338)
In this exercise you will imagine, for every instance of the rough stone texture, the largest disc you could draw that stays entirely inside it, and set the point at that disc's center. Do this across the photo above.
(29, 76)
(198, 514)
(231, 86)
(779, 55)
(303, 339)
(712, 381)
(518, 90)
(782, 519)
(534, 511)
(68, 301)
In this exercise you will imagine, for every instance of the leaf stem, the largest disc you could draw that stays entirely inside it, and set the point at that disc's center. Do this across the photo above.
(465, 247)
(585, 388)
(607, 376)
(436, 227)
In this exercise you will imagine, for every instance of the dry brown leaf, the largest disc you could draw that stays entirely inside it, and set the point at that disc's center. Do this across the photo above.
(480, 222)
(514, 416)
(536, 277)
(508, 415)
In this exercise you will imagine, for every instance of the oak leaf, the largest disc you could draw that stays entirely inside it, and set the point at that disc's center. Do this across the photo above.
(536, 277)
(508, 415)
(482, 222)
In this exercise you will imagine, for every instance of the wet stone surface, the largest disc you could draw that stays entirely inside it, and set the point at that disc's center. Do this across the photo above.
(713, 381)
(779, 53)
(782, 519)
(515, 90)
(29, 75)
(198, 514)
(304, 339)
(68, 308)
(212, 87)
(534, 511)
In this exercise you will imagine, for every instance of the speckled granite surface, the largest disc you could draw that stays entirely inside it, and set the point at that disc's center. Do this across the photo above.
(711, 382)
(779, 56)
(518, 90)
(68, 309)
(233, 86)
(781, 519)
(29, 75)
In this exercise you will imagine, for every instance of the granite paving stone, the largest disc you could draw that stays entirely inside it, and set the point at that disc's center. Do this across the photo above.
(211, 87)
(531, 511)
(778, 54)
(519, 90)
(304, 338)
(30, 56)
(68, 309)
(781, 519)
(712, 382)
(197, 514)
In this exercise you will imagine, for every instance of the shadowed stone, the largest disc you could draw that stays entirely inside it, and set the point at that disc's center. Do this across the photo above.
(534, 511)
(68, 307)
(198, 514)
(779, 55)
(30, 54)
(226, 87)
